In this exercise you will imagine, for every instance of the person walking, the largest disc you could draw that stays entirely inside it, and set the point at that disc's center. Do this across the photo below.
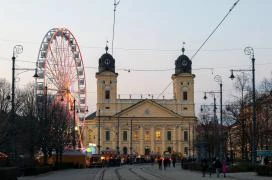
(224, 168)
(174, 161)
(204, 166)
(165, 163)
(217, 166)
(160, 162)
(210, 167)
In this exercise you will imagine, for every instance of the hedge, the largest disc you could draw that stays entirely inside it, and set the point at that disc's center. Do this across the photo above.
(8, 173)
(264, 170)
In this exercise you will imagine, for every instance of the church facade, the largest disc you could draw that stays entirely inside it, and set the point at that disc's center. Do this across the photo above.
(143, 126)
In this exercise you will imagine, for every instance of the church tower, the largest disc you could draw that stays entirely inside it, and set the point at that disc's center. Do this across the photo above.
(183, 85)
(106, 85)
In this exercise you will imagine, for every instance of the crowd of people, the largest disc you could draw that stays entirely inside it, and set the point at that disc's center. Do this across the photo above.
(164, 162)
(209, 166)
(214, 164)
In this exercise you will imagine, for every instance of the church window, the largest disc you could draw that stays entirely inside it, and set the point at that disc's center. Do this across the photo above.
(185, 95)
(147, 136)
(107, 94)
(158, 135)
(125, 136)
(135, 135)
(169, 135)
(107, 135)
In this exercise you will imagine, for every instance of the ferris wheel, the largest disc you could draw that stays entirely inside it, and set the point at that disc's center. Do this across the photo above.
(62, 76)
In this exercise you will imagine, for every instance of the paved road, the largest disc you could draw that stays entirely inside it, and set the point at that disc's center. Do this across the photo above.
(136, 172)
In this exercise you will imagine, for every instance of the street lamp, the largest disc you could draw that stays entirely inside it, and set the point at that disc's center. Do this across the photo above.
(218, 79)
(250, 52)
(17, 49)
(214, 101)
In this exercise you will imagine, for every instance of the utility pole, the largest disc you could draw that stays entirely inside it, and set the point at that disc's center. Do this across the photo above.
(17, 49)
(250, 52)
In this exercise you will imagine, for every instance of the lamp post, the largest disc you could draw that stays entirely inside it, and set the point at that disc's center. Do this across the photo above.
(98, 146)
(214, 101)
(214, 109)
(17, 49)
(250, 52)
(218, 79)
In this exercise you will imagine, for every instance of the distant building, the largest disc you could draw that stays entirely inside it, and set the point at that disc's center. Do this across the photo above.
(145, 125)
(241, 132)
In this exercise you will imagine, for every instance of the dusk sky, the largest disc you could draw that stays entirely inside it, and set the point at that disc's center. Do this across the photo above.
(148, 39)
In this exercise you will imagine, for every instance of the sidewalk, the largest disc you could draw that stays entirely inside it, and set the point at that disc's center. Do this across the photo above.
(173, 173)
(247, 176)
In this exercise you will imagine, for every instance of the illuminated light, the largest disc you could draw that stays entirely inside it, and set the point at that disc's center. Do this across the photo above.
(89, 150)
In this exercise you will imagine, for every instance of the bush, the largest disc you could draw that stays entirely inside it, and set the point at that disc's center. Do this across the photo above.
(241, 167)
(264, 170)
(8, 173)
(192, 166)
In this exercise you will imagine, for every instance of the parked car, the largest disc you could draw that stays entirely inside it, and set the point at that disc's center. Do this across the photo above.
(3, 159)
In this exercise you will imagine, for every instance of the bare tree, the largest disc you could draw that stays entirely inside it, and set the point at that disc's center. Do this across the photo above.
(264, 114)
(27, 125)
(207, 134)
(59, 129)
(5, 106)
(238, 112)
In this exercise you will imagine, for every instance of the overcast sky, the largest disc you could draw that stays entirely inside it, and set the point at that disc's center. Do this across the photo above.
(148, 36)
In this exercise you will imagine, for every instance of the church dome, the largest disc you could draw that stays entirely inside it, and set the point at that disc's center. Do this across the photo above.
(183, 64)
(106, 62)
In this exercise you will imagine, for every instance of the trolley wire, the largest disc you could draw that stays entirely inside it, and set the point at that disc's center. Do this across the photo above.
(215, 29)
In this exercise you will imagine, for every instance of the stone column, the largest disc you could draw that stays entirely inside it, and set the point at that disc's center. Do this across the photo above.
(179, 139)
(102, 138)
(152, 139)
(141, 137)
(113, 137)
(163, 139)
(174, 139)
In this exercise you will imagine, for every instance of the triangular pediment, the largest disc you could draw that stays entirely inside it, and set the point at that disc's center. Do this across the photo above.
(148, 108)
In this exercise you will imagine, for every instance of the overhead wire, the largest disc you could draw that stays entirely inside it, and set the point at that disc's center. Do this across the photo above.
(215, 29)
(212, 32)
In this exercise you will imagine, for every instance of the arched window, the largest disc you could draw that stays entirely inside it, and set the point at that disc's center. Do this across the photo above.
(184, 93)
(185, 96)
(107, 94)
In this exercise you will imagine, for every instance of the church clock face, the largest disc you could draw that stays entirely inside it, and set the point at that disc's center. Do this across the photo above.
(184, 63)
(107, 61)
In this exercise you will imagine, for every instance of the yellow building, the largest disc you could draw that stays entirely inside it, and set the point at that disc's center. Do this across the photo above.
(142, 126)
